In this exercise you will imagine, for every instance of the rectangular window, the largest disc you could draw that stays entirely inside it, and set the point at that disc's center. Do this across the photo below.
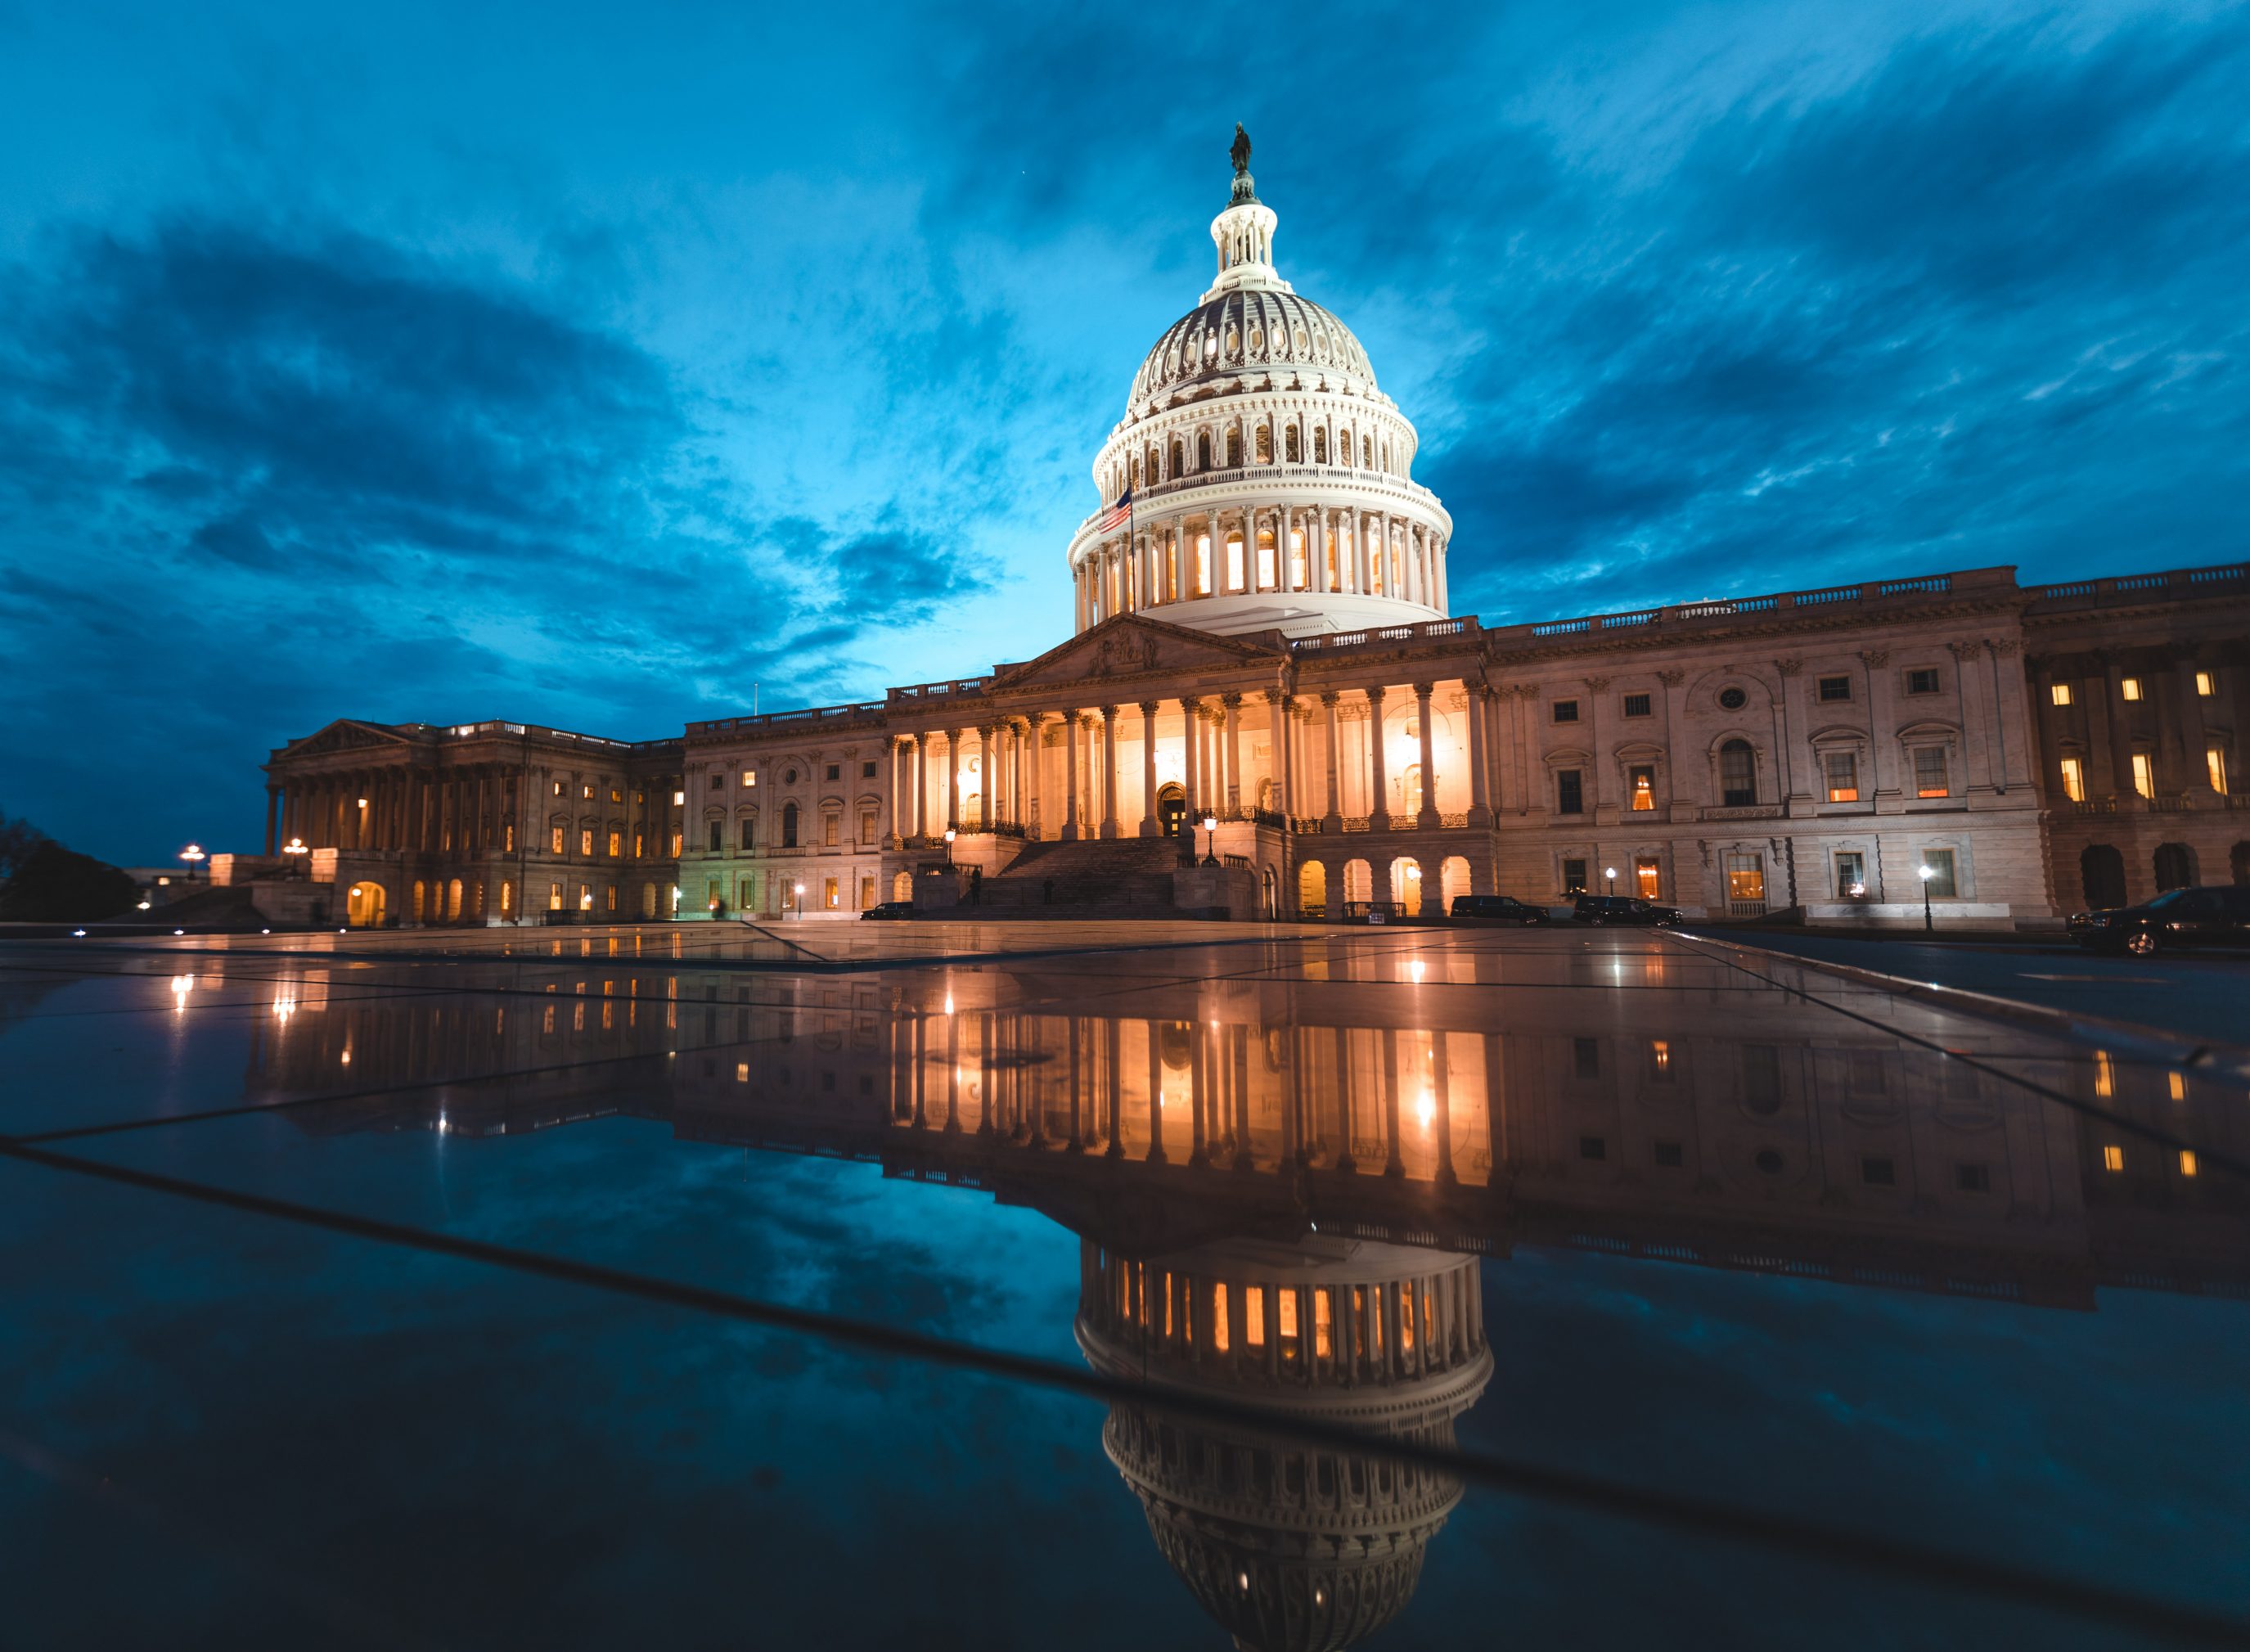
(2105, 1074)
(750, 777)
(1643, 776)
(1940, 862)
(1234, 564)
(2214, 762)
(827, 831)
(1592, 1147)
(1648, 882)
(1923, 679)
(1843, 772)
(1636, 705)
(1929, 777)
(1267, 575)
(866, 825)
(615, 795)
(1574, 877)
(617, 843)
(2206, 684)
(2074, 779)
(1670, 1155)
(1835, 687)
(749, 835)
(586, 792)
(1586, 1057)
(719, 782)
(1565, 711)
(554, 842)
(1253, 1315)
(866, 771)
(1973, 1179)
(507, 838)
(835, 771)
(613, 897)
(2144, 774)
(558, 788)
(678, 844)
(2059, 693)
(1659, 1061)
(1878, 1173)
(1745, 877)
(2130, 687)
(1569, 792)
(640, 845)
(2187, 1162)
(717, 840)
(554, 897)
(866, 893)
(679, 800)
(2113, 1157)
(830, 896)
(586, 841)
(1851, 875)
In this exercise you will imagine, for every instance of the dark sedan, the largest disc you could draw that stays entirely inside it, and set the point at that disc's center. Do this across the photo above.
(1624, 909)
(1494, 908)
(890, 909)
(2215, 915)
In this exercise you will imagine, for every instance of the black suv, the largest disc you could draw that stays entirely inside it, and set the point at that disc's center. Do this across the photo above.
(1623, 908)
(888, 909)
(1494, 908)
(2214, 915)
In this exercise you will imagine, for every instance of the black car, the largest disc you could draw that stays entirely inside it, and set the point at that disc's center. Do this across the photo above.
(1494, 908)
(1623, 908)
(2214, 915)
(890, 909)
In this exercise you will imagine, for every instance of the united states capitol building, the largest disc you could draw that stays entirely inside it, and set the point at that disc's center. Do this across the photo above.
(1264, 640)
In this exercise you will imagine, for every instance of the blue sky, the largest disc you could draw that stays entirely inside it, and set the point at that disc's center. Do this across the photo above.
(562, 365)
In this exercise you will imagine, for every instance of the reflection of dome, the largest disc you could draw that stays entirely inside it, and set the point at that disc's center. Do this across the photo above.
(1289, 1546)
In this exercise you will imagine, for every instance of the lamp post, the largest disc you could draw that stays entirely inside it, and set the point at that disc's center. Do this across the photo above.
(800, 903)
(948, 848)
(194, 856)
(1925, 872)
(297, 849)
(1609, 876)
(1210, 840)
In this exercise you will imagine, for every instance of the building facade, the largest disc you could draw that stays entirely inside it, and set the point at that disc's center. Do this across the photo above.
(1264, 642)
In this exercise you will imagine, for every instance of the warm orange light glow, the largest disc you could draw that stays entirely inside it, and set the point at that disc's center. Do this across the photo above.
(1406, 1318)
(1253, 1315)
(2187, 1162)
(2105, 1075)
(2112, 1157)
(1324, 1342)
(1660, 1055)
(2178, 1082)
(1218, 1329)
(1285, 1317)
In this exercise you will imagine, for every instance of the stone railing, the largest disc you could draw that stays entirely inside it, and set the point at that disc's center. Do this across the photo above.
(785, 721)
(2173, 581)
(927, 691)
(1736, 607)
(1384, 636)
(1283, 476)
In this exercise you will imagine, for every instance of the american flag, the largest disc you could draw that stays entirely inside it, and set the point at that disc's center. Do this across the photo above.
(1117, 515)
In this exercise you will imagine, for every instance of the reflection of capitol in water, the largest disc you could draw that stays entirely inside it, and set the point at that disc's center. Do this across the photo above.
(1283, 1188)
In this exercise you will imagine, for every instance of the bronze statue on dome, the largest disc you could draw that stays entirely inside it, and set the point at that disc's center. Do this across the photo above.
(1241, 150)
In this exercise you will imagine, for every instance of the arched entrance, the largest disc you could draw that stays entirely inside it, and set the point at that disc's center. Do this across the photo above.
(416, 910)
(2174, 867)
(1359, 881)
(1406, 885)
(903, 885)
(363, 906)
(1171, 807)
(1454, 879)
(1312, 890)
(2101, 874)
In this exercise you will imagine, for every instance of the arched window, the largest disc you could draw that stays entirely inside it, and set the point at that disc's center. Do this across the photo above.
(1367, 452)
(1233, 450)
(1179, 460)
(1203, 450)
(1345, 448)
(1136, 471)
(1320, 445)
(1264, 444)
(2101, 874)
(1737, 775)
(789, 826)
(2174, 867)
(1290, 450)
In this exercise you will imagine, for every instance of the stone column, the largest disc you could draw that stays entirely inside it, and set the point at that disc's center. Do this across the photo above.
(2194, 742)
(1070, 831)
(1427, 818)
(1479, 779)
(1281, 716)
(1332, 816)
(1109, 775)
(1378, 813)
(952, 812)
(1191, 712)
(1233, 752)
(1036, 736)
(1150, 825)
(920, 783)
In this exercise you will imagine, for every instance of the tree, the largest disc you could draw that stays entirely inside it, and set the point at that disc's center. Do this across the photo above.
(18, 839)
(55, 885)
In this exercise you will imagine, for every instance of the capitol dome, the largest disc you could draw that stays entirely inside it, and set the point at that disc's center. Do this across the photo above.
(1259, 480)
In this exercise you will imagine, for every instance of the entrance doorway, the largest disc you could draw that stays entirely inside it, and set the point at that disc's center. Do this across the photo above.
(363, 906)
(1171, 808)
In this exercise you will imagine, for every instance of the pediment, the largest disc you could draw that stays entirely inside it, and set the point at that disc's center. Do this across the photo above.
(346, 734)
(1132, 646)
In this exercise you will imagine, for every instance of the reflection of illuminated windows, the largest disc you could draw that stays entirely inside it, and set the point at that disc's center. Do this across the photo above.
(1644, 785)
(2105, 1075)
(1323, 1341)
(2187, 1162)
(2112, 1157)
(1253, 1315)
(1219, 1319)
(1285, 1315)
(2178, 1083)
(1659, 1061)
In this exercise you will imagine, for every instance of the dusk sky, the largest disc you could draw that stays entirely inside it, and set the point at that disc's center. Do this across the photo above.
(587, 366)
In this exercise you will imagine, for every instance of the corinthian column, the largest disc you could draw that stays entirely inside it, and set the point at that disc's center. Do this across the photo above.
(1233, 756)
(1332, 816)
(920, 783)
(1480, 781)
(1070, 782)
(1427, 818)
(1378, 813)
(1110, 771)
(1151, 826)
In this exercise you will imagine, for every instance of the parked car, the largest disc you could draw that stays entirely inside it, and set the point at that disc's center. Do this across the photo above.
(1623, 908)
(889, 910)
(2213, 915)
(1494, 908)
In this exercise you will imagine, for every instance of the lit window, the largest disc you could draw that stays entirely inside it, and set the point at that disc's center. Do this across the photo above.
(2074, 779)
(1324, 1343)
(507, 838)
(1659, 1061)
(1940, 862)
(1644, 786)
(1843, 770)
(2214, 760)
(1929, 778)
(678, 842)
(586, 840)
(616, 795)
(2206, 684)
(1922, 681)
(2105, 1076)
(829, 891)
(1646, 877)
(2187, 1162)
(679, 800)
(1835, 687)
(586, 792)
(750, 777)
(2059, 693)
(2112, 1157)
(1218, 1327)
(1851, 875)
(617, 843)
(640, 845)
(2130, 687)
(742, 1071)
(2178, 1083)
(554, 903)
(554, 842)
(2144, 774)
(1285, 1314)
(558, 788)
(1253, 1309)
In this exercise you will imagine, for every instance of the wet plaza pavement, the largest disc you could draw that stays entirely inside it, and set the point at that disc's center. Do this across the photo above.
(1029, 1286)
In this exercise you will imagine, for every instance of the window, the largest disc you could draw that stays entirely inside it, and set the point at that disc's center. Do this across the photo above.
(1636, 705)
(1233, 450)
(1592, 1147)
(617, 843)
(2130, 688)
(640, 845)
(1733, 699)
(2105, 1074)
(1648, 882)
(2214, 760)
(867, 771)
(554, 842)
(507, 838)
(718, 781)
(1761, 1079)
(2113, 1157)
(1851, 875)
(558, 788)
(679, 800)
(2144, 774)
(1565, 711)
(1586, 1057)
(750, 833)
(2059, 693)
(1670, 1155)
(1737, 775)
(554, 897)
(615, 795)
(828, 831)
(2206, 684)
(866, 825)
(835, 771)
(828, 893)
(717, 840)
(1878, 1173)
(2074, 779)
(1659, 1061)
(1574, 877)
(1643, 778)
(586, 841)
(789, 826)
(1569, 792)
(1929, 778)
(1923, 679)
(1835, 687)
(679, 843)
(2187, 1162)
(789, 776)
(1842, 769)
(866, 893)
(1940, 862)
(1291, 451)
(1973, 1179)
(586, 792)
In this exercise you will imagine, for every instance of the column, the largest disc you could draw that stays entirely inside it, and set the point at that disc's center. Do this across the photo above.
(1190, 708)
(1150, 825)
(1378, 813)
(1109, 779)
(1070, 776)
(1280, 715)
(1479, 780)
(2194, 740)
(920, 783)
(1233, 752)
(1036, 736)
(1427, 818)
(1332, 815)
(953, 778)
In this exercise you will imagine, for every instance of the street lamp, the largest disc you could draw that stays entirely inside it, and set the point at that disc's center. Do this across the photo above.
(1610, 874)
(1211, 842)
(194, 856)
(949, 849)
(1925, 872)
(800, 897)
(296, 849)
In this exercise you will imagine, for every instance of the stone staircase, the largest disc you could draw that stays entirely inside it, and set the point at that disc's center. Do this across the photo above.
(1117, 877)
